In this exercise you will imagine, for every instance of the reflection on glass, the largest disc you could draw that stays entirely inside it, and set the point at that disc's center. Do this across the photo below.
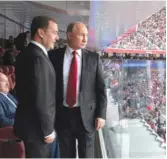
(136, 113)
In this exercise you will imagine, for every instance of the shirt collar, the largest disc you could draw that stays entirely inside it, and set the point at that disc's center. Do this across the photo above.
(70, 50)
(4, 93)
(40, 45)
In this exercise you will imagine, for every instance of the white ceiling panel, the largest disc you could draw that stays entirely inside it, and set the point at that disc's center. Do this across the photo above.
(106, 16)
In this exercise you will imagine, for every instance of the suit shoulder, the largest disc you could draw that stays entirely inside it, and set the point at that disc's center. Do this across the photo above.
(28, 55)
(56, 52)
(2, 99)
(33, 51)
(92, 54)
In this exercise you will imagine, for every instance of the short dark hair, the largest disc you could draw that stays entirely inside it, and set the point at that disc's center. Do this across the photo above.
(40, 22)
(70, 27)
(27, 32)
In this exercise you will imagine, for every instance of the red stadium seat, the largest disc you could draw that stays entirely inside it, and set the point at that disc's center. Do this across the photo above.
(10, 145)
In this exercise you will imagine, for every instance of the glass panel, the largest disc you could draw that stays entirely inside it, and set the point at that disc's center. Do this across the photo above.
(136, 113)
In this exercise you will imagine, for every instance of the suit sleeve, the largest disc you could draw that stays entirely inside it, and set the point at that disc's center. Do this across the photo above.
(101, 96)
(40, 98)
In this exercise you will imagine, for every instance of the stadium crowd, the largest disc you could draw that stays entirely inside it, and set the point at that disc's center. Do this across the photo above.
(149, 35)
(154, 28)
(139, 91)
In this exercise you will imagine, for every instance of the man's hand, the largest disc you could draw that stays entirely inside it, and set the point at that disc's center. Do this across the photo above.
(50, 138)
(99, 123)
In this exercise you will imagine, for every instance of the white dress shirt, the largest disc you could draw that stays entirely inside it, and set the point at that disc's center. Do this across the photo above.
(41, 46)
(46, 53)
(66, 70)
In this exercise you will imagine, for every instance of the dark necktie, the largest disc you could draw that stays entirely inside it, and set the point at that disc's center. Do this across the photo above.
(72, 82)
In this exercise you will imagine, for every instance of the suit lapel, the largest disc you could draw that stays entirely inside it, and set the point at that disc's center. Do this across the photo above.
(84, 67)
(47, 58)
(12, 98)
(61, 63)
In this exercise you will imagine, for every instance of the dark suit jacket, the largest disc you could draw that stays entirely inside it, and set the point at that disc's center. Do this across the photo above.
(35, 89)
(7, 110)
(92, 96)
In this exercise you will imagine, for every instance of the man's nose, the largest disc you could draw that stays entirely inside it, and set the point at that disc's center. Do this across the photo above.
(85, 39)
(57, 37)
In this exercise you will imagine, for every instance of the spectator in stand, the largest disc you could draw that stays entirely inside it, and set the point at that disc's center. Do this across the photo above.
(22, 40)
(8, 103)
(8, 57)
(149, 88)
(150, 34)
(10, 41)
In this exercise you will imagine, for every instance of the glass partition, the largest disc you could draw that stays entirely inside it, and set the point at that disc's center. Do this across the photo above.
(136, 112)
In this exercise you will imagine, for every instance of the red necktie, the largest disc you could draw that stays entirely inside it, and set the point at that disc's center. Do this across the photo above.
(72, 82)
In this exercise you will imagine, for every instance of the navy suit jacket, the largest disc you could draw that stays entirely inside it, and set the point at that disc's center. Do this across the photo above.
(7, 110)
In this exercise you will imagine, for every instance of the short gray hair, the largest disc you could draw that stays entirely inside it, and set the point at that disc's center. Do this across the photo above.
(71, 26)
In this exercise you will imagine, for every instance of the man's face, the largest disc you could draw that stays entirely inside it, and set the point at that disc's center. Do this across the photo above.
(4, 84)
(50, 35)
(78, 37)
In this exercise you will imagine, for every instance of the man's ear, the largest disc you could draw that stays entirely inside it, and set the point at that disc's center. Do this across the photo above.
(40, 33)
(69, 35)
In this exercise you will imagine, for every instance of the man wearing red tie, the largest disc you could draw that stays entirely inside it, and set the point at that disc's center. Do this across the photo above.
(80, 94)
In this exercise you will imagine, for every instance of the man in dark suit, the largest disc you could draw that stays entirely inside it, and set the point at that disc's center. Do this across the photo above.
(8, 103)
(80, 94)
(8, 57)
(35, 89)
